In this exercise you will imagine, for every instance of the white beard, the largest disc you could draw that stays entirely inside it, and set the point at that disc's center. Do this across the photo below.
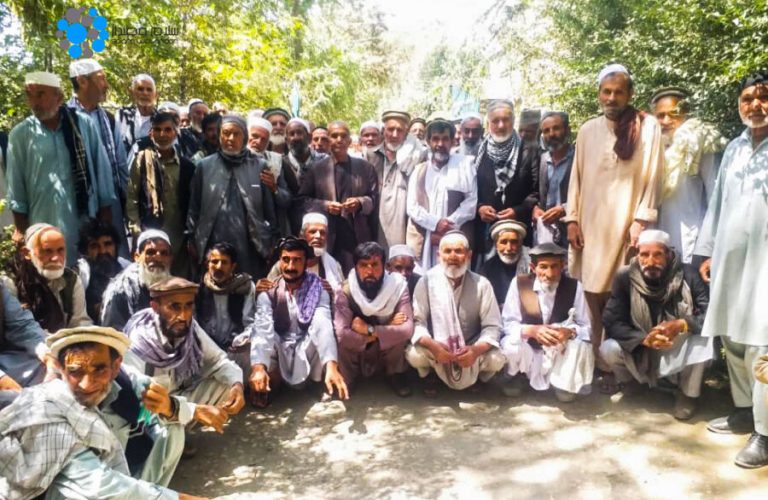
(754, 123)
(319, 252)
(549, 287)
(49, 274)
(508, 260)
(149, 278)
(277, 140)
(392, 147)
(455, 272)
(501, 138)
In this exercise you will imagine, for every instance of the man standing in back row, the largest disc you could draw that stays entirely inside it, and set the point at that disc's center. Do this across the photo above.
(614, 189)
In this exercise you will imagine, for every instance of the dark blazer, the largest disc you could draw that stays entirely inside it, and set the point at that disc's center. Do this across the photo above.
(522, 192)
(357, 179)
(617, 317)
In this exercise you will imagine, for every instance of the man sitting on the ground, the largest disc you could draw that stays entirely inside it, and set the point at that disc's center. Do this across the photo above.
(402, 260)
(128, 292)
(52, 292)
(457, 320)
(98, 262)
(226, 303)
(171, 347)
(314, 230)
(653, 320)
(373, 319)
(511, 257)
(90, 435)
(292, 336)
(546, 328)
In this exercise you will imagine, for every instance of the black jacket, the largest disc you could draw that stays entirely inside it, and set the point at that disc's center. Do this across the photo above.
(618, 321)
(521, 194)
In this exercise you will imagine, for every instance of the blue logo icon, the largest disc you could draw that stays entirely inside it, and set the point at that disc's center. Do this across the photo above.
(81, 32)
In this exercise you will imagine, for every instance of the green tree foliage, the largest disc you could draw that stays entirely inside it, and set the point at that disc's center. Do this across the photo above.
(705, 46)
(245, 53)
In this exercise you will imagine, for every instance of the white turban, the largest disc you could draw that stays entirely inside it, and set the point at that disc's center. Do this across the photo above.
(42, 78)
(454, 237)
(169, 106)
(83, 67)
(370, 124)
(503, 226)
(612, 68)
(471, 116)
(401, 251)
(142, 77)
(257, 121)
(313, 218)
(300, 121)
(653, 236)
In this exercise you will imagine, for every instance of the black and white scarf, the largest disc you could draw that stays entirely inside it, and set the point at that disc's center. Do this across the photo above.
(81, 176)
(504, 157)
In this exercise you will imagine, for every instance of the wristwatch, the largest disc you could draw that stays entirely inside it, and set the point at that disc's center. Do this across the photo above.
(371, 330)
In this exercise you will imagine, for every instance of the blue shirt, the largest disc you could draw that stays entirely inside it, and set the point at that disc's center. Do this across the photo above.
(555, 174)
(39, 176)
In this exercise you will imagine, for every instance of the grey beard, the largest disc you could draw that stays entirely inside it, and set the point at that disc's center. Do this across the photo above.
(501, 138)
(456, 272)
(440, 158)
(149, 278)
(506, 259)
(319, 251)
(392, 147)
(277, 140)
(549, 287)
(752, 123)
(49, 274)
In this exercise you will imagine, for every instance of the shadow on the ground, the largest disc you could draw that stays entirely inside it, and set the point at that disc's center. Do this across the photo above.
(470, 444)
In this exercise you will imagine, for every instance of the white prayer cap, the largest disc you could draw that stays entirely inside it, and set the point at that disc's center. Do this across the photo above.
(141, 77)
(612, 68)
(401, 251)
(503, 226)
(169, 106)
(653, 236)
(42, 78)
(304, 123)
(152, 234)
(194, 102)
(83, 67)
(99, 334)
(33, 232)
(454, 236)
(313, 218)
(471, 116)
(257, 121)
(370, 124)
(255, 113)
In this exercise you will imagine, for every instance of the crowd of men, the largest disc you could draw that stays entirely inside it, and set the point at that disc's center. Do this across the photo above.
(175, 264)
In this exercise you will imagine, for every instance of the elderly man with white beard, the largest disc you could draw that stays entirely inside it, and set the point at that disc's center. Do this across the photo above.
(511, 257)
(314, 230)
(471, 131)
(278, 118)
(53, 293)
(128, 292)
(547, 328)
(394, 160)
(370, 136)
(457, 321)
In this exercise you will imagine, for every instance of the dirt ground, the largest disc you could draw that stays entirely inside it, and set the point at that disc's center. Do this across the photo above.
(471, 445)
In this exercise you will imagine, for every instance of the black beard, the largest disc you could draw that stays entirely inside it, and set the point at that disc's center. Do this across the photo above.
(171, 334)
(105, 265)
(301, 150)
(371, 290)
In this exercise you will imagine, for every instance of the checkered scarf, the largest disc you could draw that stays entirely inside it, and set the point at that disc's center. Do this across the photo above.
(107, 139)
(81, 176)
(503, 155)
(42, 431)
